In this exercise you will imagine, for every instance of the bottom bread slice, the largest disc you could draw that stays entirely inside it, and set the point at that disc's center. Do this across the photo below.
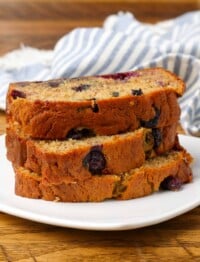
(169, 171)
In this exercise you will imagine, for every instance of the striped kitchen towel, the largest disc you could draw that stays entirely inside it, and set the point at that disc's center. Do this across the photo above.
(122, 44)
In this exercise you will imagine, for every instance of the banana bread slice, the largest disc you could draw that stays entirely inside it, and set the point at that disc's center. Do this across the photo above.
(168, 171)
(103, 105)
(66, 160)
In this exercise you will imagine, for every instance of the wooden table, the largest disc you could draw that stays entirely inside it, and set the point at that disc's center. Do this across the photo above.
(40, 23)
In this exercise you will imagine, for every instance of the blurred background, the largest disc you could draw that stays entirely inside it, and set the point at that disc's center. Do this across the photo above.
(40, 23)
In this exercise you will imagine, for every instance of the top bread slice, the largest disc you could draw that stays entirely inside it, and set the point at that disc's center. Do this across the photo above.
(102, 105)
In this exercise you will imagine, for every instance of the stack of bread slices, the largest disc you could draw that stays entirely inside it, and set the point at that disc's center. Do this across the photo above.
(96, 138)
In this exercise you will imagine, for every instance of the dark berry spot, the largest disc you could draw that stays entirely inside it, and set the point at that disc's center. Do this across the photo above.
(171, 183)
(122, 76)
(54, 83)
(97, 147)
(95, 161)
(81, 88)
(79, 133)
(157, 137)
(160, 83)
(16, 93)
(149, 139)
(152, 122)
(148, 142)
(38, 82)
(115, 94)
(95, 107)
(137, 92)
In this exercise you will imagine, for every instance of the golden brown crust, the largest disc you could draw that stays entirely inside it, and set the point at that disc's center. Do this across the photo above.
(137, 183)
(122, 153)
(144, 181)
(54, 119)
(95, 189)
(27, 186)
(16, 148)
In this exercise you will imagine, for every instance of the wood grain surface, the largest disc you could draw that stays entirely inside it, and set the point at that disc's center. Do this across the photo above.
(40, 23)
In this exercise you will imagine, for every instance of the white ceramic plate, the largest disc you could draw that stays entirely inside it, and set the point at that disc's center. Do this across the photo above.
(108, 215)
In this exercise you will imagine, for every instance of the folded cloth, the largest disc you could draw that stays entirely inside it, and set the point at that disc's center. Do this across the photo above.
(121, 44)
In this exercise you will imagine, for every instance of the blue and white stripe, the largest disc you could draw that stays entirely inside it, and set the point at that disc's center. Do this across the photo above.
(122, 44)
